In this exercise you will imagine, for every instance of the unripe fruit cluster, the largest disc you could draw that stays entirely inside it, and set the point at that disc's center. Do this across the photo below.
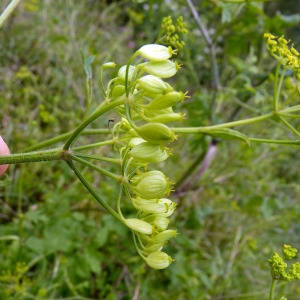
(144, 136)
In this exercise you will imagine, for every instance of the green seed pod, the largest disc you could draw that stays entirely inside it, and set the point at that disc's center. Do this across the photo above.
(156, 133)
(165, 101)
(165, 118)
(158, 260)
(149, 248)
(151, 85)
(135, 141)
(161, 222)
(162, 69)
(155, 52)
(154, 206)
(154, 113)
(170, 207)
(164, 236)
(150, 185)
(139, 226)
(147, 152)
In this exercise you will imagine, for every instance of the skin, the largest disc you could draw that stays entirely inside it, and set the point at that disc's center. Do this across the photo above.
(4, 150)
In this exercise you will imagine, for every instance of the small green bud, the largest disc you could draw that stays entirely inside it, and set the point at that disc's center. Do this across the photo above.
(278, 267)
(108, 65)
(158, 260)
(122, 72)
(156, 133)
(150, 185)
(294, 271)
(288, 251)
(165, 101)
(124, 124)
(118, 91)
(139, 226)
(151, 85)
(155, 52)
(147, 152)
(162, 69)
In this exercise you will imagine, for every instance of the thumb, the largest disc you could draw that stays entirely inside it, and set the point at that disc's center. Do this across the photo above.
(3, 151)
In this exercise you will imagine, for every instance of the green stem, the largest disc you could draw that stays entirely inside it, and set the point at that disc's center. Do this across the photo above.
(92, 191)
(288, 115)
(133, 57)
(276, 99)
(288, 125)
(194, 130)
(63, 137)
(9, 9)
(290, 109)
(280, 142)
(95, 145)
(101, 82)
(99, 158)
(103, 108)
(118, 178)
(271, 295)
(89, 95)
(45, 155)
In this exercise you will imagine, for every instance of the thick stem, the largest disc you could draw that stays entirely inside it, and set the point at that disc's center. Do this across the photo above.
(193, 130)
(46, 155)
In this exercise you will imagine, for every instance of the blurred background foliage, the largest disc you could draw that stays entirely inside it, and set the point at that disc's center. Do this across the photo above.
(56, 242)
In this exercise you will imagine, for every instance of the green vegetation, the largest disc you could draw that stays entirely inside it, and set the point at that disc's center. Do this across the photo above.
(234, 162)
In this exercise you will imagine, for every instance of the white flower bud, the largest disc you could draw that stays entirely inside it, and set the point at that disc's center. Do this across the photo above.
(155, 52)
(122, 72)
